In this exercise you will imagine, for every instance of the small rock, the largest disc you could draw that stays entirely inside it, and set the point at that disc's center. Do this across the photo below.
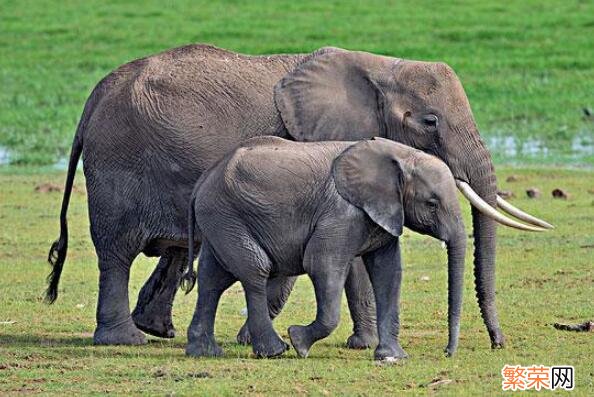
(425, 278)
(587, 326)
(438, 382)
(506, 194)
(159, 373)
(533, 192)
(80, 306)
(512, 178)
(199, 375)
(560, 194)
(244, 312)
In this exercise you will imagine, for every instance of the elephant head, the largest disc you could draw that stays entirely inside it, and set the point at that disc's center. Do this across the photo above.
(342, 95)
(398, 186)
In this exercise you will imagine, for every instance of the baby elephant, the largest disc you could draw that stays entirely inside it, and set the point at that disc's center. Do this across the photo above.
(277, 207)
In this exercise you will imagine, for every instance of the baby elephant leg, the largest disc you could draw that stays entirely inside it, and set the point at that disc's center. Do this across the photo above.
(361, 300)
(265, 340)
(213, 280)
(328, 275)
(385, 271)
(278, 290)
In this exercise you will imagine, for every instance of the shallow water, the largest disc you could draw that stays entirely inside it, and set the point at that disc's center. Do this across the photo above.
(4, 156)
(506, 149)
(578, 151)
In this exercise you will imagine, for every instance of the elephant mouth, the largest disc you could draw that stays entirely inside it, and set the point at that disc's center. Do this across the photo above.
(534, 224)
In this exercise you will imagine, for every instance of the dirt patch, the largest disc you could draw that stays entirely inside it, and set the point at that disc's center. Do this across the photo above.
(513, 178)
(436, 382)
(48, 187)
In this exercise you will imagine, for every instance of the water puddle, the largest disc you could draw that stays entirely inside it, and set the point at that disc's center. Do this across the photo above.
(504, 148)
(578, 150)
(4, 156)
(62, 164)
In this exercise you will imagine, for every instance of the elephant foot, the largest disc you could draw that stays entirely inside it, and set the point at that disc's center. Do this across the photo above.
(450, 350)
(362, 340)
(300, 339)
(497, 339)
(243, 336)
(269, 347)
(125, 333)
(154, 324)
(393, 353)
(204, 346)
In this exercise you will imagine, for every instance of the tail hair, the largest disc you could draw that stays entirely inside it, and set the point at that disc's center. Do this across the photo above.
(56, 258)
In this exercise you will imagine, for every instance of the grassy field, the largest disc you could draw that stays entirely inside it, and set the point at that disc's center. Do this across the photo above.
(528, 69)
(528, 66)
(542, 279)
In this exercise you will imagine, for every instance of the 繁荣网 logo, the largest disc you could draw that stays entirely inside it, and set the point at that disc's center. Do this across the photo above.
(537, 377)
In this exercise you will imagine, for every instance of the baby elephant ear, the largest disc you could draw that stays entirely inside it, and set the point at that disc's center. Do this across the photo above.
(369, 176)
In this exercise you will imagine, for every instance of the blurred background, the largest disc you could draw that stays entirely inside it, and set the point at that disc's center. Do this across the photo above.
(527, 66)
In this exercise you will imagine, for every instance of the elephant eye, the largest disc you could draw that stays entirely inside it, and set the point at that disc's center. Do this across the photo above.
(432, 204)
(430, 120)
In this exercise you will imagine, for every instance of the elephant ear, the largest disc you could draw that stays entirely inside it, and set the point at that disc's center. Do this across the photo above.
(369, 176)
(332, 96)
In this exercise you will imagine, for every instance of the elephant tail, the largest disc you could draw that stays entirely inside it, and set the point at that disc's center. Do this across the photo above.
(57, 253)
(188, 279)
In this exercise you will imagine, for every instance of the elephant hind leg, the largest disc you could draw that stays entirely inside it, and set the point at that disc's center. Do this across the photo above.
(213, 280)
(155, 300)
(114, 322)
(265, 340)
(361, 300)
(278, 290)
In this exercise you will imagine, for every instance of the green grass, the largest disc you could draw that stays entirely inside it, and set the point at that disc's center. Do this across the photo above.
(528, 66)
(528, 69)
(542, 278)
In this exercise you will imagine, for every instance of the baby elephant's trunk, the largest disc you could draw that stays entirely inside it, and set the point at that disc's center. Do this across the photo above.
(456, 256)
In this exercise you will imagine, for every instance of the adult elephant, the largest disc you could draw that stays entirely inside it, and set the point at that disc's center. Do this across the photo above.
(152, 126)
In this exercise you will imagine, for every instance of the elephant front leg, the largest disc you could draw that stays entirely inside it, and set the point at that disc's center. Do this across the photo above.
(155, 300)
(114, 323)
(385, 272)
(361, 300)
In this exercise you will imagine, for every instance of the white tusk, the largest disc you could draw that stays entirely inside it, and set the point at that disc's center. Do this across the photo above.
(521, 215)
(481, 205)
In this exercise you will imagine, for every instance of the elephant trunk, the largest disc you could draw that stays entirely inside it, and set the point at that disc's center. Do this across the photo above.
(473, 164)
(456, 256)
(483, 181)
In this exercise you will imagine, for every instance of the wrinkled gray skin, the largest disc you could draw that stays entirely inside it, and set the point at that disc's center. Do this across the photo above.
(279, 208)
(152, 126)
